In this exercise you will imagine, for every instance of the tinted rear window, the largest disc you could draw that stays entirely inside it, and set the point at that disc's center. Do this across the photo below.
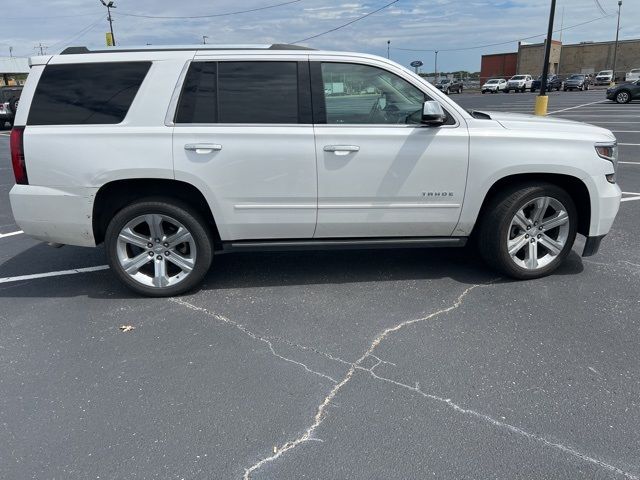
(84, 94)
(240, 92)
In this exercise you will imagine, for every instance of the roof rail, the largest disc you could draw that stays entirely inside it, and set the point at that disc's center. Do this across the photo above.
(167, 48)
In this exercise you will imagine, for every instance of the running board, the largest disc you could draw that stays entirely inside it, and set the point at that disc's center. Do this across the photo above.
(343, 244)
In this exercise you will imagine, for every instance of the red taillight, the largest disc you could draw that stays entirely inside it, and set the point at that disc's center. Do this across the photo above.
(17, 156)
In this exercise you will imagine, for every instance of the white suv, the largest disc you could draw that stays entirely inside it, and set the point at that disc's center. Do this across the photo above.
(519, 83)
(171, 155)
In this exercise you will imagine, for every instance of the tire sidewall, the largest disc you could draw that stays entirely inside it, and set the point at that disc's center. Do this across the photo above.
(180, 212)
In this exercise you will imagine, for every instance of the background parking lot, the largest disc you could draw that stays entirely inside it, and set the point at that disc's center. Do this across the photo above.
(327, 365)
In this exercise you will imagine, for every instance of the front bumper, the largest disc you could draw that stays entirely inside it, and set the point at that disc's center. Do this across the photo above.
(605, 203)
(55, 214)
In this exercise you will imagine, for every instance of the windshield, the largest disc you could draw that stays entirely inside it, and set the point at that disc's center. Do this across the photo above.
(606, 72)
(444, 81)
(576, 77)
(491, 82)
(518, 77)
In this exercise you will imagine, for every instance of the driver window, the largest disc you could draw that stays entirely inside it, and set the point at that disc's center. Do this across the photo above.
(360, 94)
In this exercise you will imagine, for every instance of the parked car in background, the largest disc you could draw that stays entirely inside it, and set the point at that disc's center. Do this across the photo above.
(448, 86)
(169, 155)
(633, 75)
(519, 83)
(554, 82)
(494, 85)
(9, 99)
(577, 81)
(604, 77)
(624, 93)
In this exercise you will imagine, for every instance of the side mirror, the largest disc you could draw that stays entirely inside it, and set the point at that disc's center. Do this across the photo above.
(433, 114)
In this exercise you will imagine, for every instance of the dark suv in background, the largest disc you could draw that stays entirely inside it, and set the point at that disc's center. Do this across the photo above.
(9, 99)
(554, 82)
(449, 86)
(577, 81)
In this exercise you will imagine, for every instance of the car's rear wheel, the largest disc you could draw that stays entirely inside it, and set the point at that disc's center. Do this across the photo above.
(159, 247)
(528, 231)
(623, 97)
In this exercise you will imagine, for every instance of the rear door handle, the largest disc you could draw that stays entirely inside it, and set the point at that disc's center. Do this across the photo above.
(341, 149)
(203, 148)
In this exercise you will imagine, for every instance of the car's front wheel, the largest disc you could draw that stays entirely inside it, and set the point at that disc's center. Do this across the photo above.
(623, 97)
(159, 247)
(527, 231)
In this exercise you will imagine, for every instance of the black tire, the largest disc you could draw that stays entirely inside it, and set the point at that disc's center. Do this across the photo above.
(623, 96)
(533, 90)
(179, 211)
(483, 92)
(496, 220)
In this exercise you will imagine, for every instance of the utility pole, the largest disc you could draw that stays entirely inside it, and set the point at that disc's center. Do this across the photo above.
(615, 49)
(109, 6)
(204, 39)
(543, 100)
(11, 52)
(436, 67)
(41, 47)
(388, 48)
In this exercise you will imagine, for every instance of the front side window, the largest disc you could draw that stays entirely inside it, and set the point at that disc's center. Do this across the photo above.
(240, 92)
(361, 94)
(85, 94)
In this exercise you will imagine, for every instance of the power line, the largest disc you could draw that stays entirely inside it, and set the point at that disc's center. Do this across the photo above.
(347, 24)
(79, 34)
(507, 42)
(257, 9)
(602, 10)
(48, 17)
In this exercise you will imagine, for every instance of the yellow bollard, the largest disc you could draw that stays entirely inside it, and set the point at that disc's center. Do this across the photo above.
(541, 105)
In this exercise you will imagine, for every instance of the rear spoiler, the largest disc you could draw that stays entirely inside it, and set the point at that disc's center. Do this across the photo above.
(39, 60)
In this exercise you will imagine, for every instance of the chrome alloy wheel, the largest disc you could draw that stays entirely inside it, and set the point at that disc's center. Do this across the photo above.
(622, 97)
(538, 233)
(156, 250)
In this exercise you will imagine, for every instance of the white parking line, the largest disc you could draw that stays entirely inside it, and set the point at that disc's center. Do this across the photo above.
(625, 131)
(577, 106)
(631, 163)
(630, 199)
(630, 144)
(10, 234)
(53, 274)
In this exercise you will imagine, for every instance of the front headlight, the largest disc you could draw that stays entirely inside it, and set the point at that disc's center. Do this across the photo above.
(609, 151)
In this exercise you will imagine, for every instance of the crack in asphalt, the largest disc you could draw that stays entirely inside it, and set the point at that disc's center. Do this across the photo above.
(497, 423)
(255, 336)
(321, 412)
(357, 366)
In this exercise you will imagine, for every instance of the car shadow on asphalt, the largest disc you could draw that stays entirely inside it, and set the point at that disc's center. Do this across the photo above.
(258, 270)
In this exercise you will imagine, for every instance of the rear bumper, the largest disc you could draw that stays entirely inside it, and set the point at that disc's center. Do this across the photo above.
(57, 215)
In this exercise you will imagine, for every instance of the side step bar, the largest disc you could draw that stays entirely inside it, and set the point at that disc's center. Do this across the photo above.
(342, 244)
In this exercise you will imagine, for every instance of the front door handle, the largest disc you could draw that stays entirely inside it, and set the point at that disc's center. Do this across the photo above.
(203, 148)
(341, 149)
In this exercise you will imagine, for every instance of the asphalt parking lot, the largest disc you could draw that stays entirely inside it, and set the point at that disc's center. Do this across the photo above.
(350, 365)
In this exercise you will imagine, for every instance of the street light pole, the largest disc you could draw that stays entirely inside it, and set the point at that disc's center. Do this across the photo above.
(543, 100)
(436, 67)
(388, 48)
(109, 6)
(615, 49)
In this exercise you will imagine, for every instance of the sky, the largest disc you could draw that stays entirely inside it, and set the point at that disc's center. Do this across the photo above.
(464, 26)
